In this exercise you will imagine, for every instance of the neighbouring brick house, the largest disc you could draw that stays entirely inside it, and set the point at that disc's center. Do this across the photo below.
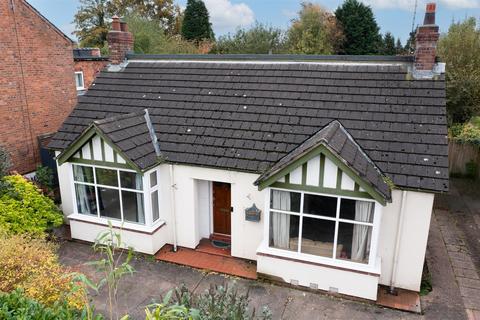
(88, 63)
(37, 88)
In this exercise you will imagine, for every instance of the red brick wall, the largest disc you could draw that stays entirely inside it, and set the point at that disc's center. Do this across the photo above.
(37, 85)
(90, 68)
(426, 47)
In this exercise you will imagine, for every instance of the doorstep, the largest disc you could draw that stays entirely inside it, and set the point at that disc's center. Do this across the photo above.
(404, 300)
(208, 261)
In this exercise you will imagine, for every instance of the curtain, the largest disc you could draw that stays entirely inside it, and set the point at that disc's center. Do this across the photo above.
(281, 221)
(83, 205)
(361, 236)
(139, 186)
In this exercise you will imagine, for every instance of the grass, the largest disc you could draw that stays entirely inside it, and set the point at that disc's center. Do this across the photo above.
(426, 284)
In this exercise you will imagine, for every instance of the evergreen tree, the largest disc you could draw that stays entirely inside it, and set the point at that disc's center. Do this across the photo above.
(410, 45)
(398, 47)
(360, 28)
(196, 22)
(389, 45)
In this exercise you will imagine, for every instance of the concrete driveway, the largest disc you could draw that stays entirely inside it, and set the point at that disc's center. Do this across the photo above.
(153, 279)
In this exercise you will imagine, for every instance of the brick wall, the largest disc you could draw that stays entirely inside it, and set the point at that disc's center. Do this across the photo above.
(37, 85)
(90, 69)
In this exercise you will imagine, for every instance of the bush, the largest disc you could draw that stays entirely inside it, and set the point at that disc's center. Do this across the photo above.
(29, 211)
(32, 265)
(15, 305)
(218, 302)
(44, 178)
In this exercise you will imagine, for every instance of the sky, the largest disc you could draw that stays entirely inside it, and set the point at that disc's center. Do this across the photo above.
(226, 16)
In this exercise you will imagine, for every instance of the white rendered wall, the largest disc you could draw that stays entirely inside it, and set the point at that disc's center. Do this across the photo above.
(204, 208)
(324, 278)
(65, 184)
(414, 236)
(141, 242)
(246, 235)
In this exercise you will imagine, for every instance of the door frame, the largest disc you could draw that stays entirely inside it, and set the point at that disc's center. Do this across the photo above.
(212, 209)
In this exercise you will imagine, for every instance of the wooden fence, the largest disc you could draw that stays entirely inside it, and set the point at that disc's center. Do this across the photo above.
(459, 154)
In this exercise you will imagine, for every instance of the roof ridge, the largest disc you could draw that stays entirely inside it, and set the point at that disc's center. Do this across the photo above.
(117, 117)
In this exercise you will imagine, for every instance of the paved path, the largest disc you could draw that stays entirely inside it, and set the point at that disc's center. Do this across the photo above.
(458, 217)
(153, 279)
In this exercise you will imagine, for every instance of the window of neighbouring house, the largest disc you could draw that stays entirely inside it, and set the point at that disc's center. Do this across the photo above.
(79, 80)
(109, 193)
(332, 227)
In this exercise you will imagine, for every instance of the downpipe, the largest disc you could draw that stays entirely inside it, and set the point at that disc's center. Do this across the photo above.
(398, 238)
(172, 201)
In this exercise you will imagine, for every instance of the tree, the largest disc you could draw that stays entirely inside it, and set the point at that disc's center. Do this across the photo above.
(196, 22)
(151, 38)
(93, 17)
(399, 47)
(315, 31)
(360, 28)
(460, 50)
(258, 39)
(91, 22)
(410, 44)
(388, 47)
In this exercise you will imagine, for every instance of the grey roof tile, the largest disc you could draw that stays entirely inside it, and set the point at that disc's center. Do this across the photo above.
(251, 106)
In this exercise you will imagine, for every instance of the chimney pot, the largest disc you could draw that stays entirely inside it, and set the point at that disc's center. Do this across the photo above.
(115, 23)
(430, 14)
(123, 26)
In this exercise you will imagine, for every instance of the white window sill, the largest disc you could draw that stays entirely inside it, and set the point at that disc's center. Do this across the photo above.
(117, 224)
(325, 262)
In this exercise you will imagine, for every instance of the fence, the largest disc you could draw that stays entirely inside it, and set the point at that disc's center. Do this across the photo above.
(463, 158)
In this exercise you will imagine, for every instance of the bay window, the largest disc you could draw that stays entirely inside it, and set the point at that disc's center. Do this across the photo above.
(332, 227)
(109, 193)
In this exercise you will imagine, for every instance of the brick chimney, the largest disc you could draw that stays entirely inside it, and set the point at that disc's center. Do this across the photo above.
(120, 41)
(426, 43)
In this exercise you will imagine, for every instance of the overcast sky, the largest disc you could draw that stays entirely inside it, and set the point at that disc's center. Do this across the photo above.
(226, 15)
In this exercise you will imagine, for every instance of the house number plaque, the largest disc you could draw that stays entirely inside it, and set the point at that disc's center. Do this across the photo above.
(253, 213)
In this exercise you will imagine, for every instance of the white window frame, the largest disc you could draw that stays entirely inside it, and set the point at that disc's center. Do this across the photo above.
(119, 189)
(373, 261)
(83, 80)
(151, 190)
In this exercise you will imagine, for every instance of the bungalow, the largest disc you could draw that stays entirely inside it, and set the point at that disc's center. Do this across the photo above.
(322, 169)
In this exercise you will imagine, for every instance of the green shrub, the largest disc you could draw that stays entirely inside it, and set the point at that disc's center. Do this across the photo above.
(218, 302)
(29, 211)
(44, 178)
(15, 305)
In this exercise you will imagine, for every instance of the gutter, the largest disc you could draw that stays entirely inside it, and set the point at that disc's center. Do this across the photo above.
(174, 215)
(398, 238)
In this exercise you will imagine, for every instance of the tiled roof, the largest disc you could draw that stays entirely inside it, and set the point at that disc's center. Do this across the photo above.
(131, 134)
(248, 115)
(337, 139)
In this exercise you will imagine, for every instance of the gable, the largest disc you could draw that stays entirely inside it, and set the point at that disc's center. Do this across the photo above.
(322, 172)
(94, 148)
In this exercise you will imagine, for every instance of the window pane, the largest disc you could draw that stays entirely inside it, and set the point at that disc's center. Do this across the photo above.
(131, 180)
(153, 179)
(284, 231)
(107, 177)
(320, 205)
(86, 203)
(317, 237)
(109, 202)
(356, 210)
(354, 242)
(285, 200)
(133, 207)
(83, 174)
(155, 211)
(79, 79)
